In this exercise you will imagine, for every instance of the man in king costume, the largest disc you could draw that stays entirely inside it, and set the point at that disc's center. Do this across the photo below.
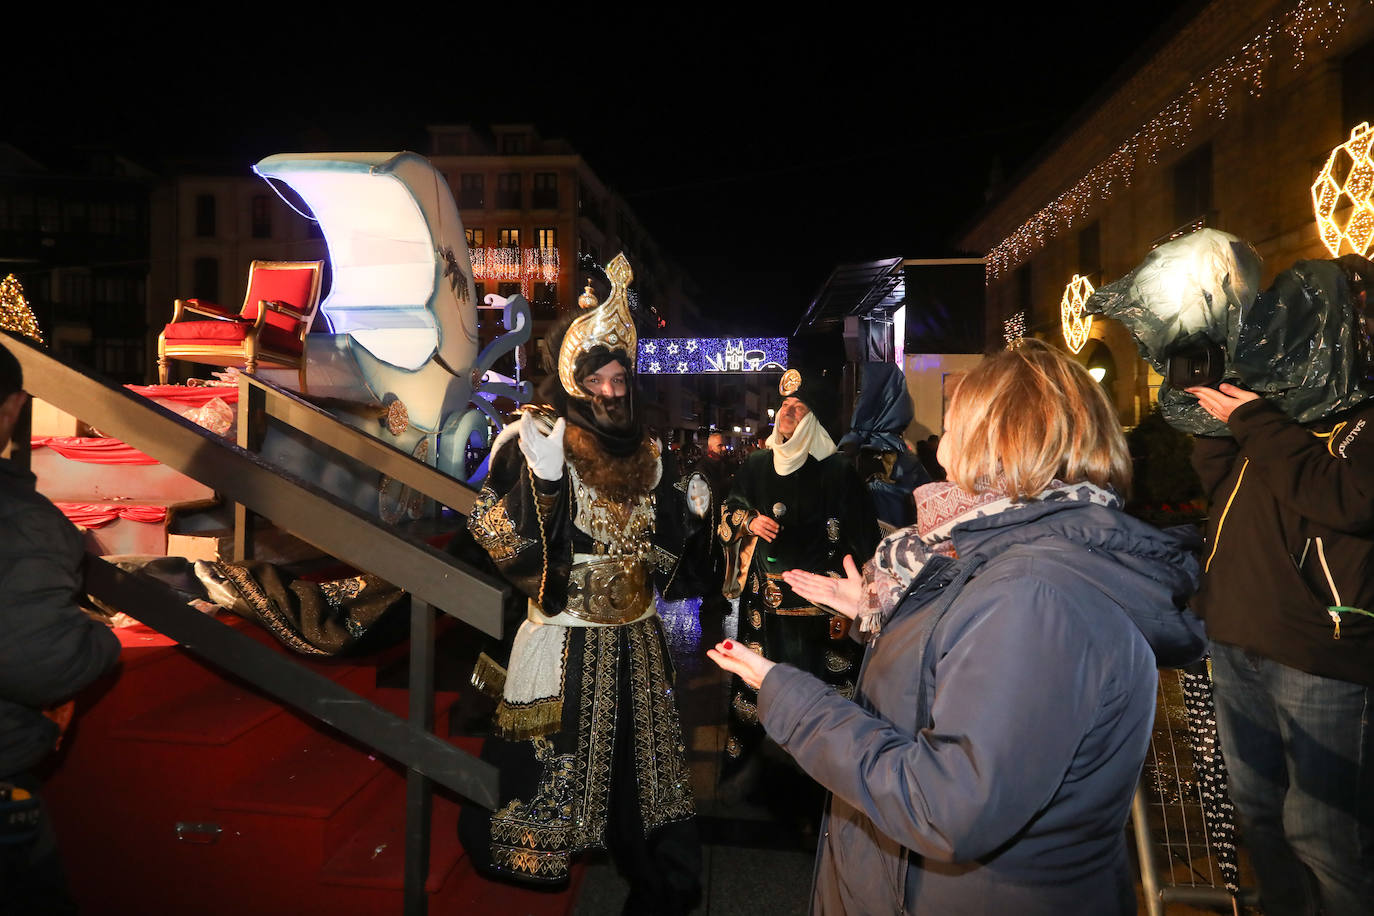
(797, 504)
(579, 514)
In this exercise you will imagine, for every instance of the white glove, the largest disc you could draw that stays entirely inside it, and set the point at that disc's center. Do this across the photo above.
(698, 495)
(544, 454)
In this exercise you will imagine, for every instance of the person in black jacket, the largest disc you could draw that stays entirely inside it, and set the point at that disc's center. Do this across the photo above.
(50, 650)
(1287, 597)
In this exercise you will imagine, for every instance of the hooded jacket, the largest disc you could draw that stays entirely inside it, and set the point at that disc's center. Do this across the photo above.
(988, 759)
(1290, 539)
(50, 649)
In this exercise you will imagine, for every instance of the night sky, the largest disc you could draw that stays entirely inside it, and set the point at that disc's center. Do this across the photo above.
(760, 151)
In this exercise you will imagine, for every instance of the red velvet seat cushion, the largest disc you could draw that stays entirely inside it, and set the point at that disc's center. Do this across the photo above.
(223, 333)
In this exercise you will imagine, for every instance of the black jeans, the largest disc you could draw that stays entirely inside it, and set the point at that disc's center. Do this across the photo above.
(32, 881)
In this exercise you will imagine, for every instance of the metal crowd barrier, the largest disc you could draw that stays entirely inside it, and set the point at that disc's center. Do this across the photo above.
(1181, 816)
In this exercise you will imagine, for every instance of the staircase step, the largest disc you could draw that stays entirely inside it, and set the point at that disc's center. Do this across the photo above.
(374, 855)
(215, 714)
(210, 708)
(313, 778)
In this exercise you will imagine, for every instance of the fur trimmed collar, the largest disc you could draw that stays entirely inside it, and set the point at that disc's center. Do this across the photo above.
(617, 479)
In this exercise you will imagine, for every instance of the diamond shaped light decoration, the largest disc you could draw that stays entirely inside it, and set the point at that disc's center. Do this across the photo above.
(1076, 324)
(1341, 196)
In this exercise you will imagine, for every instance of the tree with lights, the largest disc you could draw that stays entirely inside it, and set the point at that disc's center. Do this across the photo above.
(15, 314)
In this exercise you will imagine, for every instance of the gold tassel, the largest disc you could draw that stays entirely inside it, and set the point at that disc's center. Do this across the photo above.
(520, 723)
(488, 677)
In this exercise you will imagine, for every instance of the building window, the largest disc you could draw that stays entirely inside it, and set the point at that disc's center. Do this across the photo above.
(508, 191)
(262, 217)
(1023, 289)
(205, 279)
(480, 289)
(589, 249)
(102, 218)
(545, 304)
(546, 237)
(1090, 251)
(1193, 186)
(472, 191)
(544, 194)
(24, 218)
(512, 144)
(49, 215)
(588, 205)
(76, 288)
(508, 289)
(73, 216)
(477, 238)
(128, 219)
(508, 238)
(205, 215)
(1357, 87)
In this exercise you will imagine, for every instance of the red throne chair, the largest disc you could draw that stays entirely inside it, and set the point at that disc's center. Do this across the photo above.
(267, 332)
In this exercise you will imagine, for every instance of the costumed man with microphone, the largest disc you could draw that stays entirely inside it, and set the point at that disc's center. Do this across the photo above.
(797, 504)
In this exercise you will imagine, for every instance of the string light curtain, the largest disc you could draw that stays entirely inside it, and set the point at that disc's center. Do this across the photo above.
(514, 265)
(1206, 99)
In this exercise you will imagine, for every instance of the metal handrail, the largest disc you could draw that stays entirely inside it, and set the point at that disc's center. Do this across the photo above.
(432, 578)
(295, 505)
(293, 410)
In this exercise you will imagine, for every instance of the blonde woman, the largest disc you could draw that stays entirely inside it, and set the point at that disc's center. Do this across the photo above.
(987, 761)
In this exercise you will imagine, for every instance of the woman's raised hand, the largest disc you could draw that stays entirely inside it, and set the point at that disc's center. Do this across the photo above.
(751, 667)
(840, 595)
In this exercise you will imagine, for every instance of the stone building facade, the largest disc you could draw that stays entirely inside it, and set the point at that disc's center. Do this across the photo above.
(1225, 121)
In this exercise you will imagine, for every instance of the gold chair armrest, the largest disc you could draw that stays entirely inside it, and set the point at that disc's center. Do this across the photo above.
(200, 308)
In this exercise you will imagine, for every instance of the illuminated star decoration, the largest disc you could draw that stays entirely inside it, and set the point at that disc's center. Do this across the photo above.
(1346, 183)
(1076, 324)
(1205, 101)
(713, 354)
(1014, 328)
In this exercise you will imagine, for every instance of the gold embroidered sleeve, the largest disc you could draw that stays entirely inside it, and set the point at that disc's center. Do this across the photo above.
(493, 529)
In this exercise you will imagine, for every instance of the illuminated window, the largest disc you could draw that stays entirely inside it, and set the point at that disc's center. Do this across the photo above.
(477, 238)
(508, 238)
(546, 237)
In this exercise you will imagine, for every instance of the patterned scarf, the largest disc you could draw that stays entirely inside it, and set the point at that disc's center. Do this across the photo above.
(939, 508)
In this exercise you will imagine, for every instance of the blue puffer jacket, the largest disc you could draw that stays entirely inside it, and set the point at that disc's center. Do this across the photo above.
(987, 762)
